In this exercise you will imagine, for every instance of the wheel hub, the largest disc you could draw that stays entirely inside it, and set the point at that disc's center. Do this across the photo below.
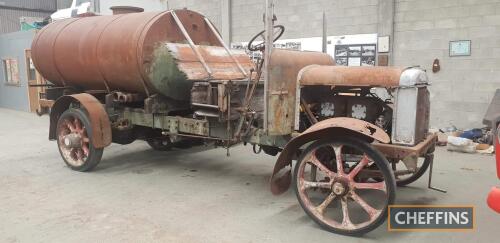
(340, 187)
(72, 140)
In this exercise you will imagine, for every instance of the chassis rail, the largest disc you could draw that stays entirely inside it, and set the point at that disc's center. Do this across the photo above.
(400, 152)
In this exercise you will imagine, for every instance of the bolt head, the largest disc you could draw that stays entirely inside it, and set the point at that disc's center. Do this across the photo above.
(338, 188)
(67, 142)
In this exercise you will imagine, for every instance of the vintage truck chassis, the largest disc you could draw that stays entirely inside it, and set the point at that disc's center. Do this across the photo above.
(350, 146)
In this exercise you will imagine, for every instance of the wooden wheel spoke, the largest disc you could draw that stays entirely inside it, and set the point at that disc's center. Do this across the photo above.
(314, 160)
(70, 125)
(78, 125)
(79, 154)
(314, 184)
(338, 159)
(346, 221)
(314, 171)
(372, 212)
(85, 149)
(373, 186)
(64, 130)
(364, 162)
(72, 154)
(328, 200)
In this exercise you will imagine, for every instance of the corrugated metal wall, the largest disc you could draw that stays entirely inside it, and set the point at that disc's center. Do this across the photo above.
(63, 4)
(32, 4)
(9, 19)
(12, 10)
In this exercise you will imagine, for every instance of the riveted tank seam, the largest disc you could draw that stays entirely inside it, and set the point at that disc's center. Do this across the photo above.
(54, 49)
(35, 43)
(139, 44)
(96, 51)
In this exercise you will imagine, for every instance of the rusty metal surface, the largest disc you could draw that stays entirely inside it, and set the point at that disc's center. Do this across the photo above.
(342, 126)
(125, 9)
(353, 124)
(171, 124)
(121, 97)
(222, 65)
(350, 76)
(400, 152)
(101, 127)
(119, 52)
(282, 86)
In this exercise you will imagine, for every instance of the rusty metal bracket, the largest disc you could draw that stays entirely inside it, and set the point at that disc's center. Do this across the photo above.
(400, 152)
(191, 43)
(307, 110)
(101, 126)
(225, 46)
(172, 124)
(429, 184)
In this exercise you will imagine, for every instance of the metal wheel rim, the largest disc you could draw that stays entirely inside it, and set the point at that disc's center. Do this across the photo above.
(351, 196)
(76, 156)
(421, 165)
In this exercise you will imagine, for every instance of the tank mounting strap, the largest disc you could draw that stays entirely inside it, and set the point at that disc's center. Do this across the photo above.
(193, 46)
(225, 46)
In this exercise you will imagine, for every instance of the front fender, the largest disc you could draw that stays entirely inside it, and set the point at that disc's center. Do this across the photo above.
(101, 128)
(342, 126)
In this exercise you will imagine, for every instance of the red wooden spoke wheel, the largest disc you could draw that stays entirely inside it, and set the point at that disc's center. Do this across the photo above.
(336, 191)
(74, 141)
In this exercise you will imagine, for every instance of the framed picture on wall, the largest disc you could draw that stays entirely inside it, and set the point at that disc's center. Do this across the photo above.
(355, 55)
(460, 48)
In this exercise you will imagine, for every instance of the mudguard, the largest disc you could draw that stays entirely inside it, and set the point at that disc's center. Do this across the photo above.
(342, 126)
(101, 127)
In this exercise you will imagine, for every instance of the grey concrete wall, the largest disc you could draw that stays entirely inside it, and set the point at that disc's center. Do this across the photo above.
(148, 5)
(12, 45)
(463, 88)
(304, 18)
(210, 8)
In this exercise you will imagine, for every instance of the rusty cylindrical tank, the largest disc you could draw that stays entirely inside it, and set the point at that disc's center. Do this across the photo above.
(125, 52)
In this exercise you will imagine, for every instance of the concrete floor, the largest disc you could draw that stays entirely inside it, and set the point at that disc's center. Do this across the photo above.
(140, 195)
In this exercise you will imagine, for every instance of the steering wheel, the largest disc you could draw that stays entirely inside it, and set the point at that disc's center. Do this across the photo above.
(278, 32)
